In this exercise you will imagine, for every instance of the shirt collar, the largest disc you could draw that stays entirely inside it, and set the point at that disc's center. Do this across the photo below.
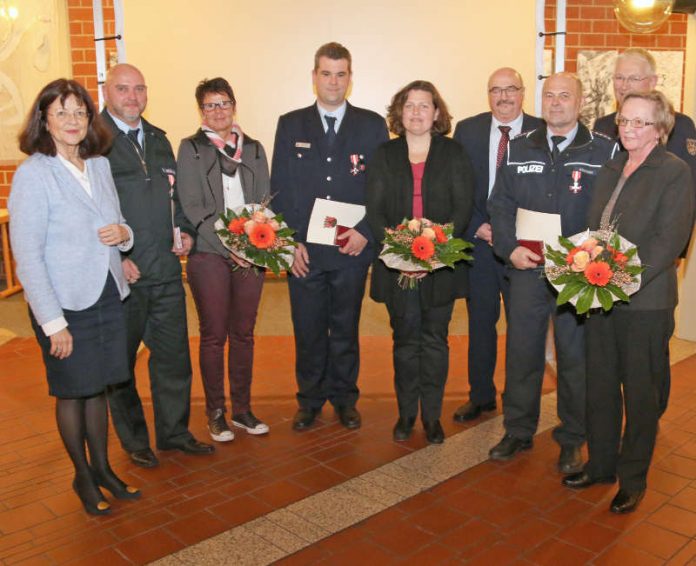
(569, 137)
(515, 125)
(339, 113)
(125, 128)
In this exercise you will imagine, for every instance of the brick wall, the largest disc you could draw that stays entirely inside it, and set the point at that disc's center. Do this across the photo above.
(84, 66)
(591, 25)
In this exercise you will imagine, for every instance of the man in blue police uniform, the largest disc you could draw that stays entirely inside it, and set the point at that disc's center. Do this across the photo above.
(321, 152)
(636, 70)
(143, 167)
(487, 277)
(550, 170)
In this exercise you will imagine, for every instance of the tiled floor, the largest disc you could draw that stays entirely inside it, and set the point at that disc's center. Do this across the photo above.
(251, 491)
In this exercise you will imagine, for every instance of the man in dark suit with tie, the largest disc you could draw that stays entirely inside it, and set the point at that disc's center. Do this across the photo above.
(143, 167)
(485, 137)
(321, 152)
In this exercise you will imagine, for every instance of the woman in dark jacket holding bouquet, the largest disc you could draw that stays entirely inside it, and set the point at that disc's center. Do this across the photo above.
(420, 174)
(646, 192)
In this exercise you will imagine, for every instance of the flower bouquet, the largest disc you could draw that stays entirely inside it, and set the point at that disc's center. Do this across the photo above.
(419, 246)
(594, 269)
(258, 235)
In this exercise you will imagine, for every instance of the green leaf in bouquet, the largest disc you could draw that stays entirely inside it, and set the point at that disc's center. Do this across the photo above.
(564, 279)
(585, 299)
(633, 269)
(615, 241)
(617, 291)
(630, 252)
(605, 298)
(566, 243)
(569, 291)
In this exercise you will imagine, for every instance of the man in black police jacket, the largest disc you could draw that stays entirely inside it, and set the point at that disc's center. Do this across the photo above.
(144, 170)
(550, 170)
(321, 152)
(485, 138)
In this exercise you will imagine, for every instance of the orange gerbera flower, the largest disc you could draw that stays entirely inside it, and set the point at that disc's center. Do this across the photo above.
(598, 273)
(262, 236)
(571, 255)
(620, 258)
(439, 234)
(236, 225)
(423, 248)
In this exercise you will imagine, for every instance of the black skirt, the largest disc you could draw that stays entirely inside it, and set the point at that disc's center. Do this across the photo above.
(99, 355)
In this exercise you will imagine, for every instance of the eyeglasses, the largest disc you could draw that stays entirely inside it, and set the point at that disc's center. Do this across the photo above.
(211, 106)
(508, 90)
(632, 80)
(634, 122)
(65, 115)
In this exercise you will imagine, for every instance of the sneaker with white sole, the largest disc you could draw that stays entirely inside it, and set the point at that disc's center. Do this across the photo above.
(250, 423)
(218, 427)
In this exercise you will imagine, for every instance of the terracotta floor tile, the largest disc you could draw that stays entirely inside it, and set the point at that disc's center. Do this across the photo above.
(197, 527)
(188, 507)
(530, 532)
(106, 557)
(472, 501)
(472, 533)
(438, 519)
(402, 539)
(367, 553)
(349, 537)
(589, 535)
(413, 505)
(81, 546)
(554, 552)
(624, 554)
(240, 510)
(686, 498)
(569, 511)
(34, 561)
(687, 555)
(305, 557)
(509, 512)
(678, 465)
(675, 519)
(654, 540)
(499, 554)
(9, 541)
(148, 547)
(431, 554)
(281, 493)
(141, 523)
(24, 517)
(318, 478)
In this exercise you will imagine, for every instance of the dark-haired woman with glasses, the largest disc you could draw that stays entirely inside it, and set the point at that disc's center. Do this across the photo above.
(67, 233)
(221, 167)
(646, 192)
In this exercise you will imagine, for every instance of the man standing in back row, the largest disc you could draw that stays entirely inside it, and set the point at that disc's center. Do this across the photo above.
(321, 152)
(485, 138)
(144, 171)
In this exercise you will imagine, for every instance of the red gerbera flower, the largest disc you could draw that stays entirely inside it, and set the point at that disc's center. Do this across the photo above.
(598, 273)
(422, 248)
(439, 234)
(262, 236)
(571, 255)
(236, 225)
(620, 258)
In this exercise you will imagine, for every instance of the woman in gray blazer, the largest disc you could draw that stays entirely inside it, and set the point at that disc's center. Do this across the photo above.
(220, 167)
(66, 229)
(646, 191)
(420, 174)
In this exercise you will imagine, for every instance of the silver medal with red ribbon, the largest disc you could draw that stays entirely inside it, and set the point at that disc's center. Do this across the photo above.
(575, 188)
(354, 162)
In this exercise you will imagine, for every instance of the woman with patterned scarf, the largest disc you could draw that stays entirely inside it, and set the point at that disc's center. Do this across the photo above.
(220, 167)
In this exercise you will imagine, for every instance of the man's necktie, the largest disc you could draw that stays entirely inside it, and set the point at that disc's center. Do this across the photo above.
(330, 130)
(502, 146)
(555, 152)
(133, 136)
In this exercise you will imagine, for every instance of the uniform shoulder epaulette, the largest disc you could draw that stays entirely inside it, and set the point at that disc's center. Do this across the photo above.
(602, 135)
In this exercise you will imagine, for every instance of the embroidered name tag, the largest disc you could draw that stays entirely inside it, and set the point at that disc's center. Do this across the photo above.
(531, 168)
(305, 145)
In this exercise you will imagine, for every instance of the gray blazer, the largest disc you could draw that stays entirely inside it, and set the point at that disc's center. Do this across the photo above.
(199, 182)
(53, 228)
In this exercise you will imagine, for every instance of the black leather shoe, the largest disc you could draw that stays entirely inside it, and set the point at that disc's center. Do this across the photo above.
(508, 447)
(191, 446)
(403, 428)
(349, 417)
(470, 411)
(433, 432)
(144, 458)
(626, 502)
(583, 479)
(304, 418)
(570, 460)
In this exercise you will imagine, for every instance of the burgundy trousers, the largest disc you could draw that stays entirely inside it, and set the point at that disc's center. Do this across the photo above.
(227, 301)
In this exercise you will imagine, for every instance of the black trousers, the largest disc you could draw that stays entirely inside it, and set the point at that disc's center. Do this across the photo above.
(325, 308)
(487, 281)
(421, 355)
(155, 315)
(532, 304)
(627, 361)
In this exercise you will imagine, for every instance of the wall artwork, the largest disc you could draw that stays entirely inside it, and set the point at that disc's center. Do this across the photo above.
(595, 69)
(34, 50)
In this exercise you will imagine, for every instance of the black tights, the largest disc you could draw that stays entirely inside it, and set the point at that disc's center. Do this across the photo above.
(80, 420)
